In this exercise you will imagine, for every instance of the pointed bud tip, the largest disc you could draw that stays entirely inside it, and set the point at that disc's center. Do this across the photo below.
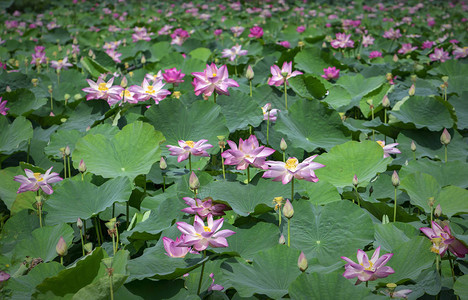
(395, 179)
(194, 183)
(445, 138)
(283, 145)
(302, 262)
(288, 210)
(61, 247)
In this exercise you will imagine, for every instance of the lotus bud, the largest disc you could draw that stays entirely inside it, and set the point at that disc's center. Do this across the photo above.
(90, 52)
(124, 82)
(143, 59)
(395, 179)
(300, 44)
(67, 151)
(82, 166)
(282, 240)
(8, 89)
(388, 76)
(66, 97)
(385, 102)
(283, 145)
(79, 223)
(88, 247)
(288, 210)
(162, 164)
(77, 97)
(413, 146)
(438, 211)
(431, 201)
(302, 262)
(249, 74)
(395, 58)
(445, 138)
(355, 180)
(194, 183)
(61, 247)
(412, 90)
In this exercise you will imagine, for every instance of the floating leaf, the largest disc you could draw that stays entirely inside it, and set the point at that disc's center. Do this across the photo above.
(13, 137)
(240, 104)
(321, 192)
(453, 200)
(461, 287)
(22, 102)
(420, 187)
(307, 86)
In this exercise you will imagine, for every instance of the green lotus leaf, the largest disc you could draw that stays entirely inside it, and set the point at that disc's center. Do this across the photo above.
(271, 273)
(328, 232)
(82, 199)
(9, 187)
(363, 159)
(453, 200)
(161, 289)
(450, 173)
(246, 199)
(319, 193)
(155, 263)
(326, 286)
(93, 67)
(309, 125)
(249, 240)
(16, 229)
(358, 86)
(313, 60)
(71, 83)
(61, 139)
(275, 95)
(307, 86)
(424, 112)
(14, 136)
(461, 110)
(201, 53)
(337, 98)
(201, 120)
(42, 242)
(375, 97)
(83, 117)
(22, 102)
(211, 266)
(420, 187)
(129, 153)
(392, 235)
(461, 287)
(240, 104)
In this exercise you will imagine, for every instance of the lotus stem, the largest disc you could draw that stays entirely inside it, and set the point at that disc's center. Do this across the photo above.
(82, 241)
(69, 167)
(373, 130)
(61, 260)
(289, 232)
(190, 156)
(451, 266)
(279, 213)
(164, 183)
(357, 196)
(394, 206)
(113, 210)
(201, 274)
(250, 84)
(51, 103)
(385, 116)
(96, 226)
(128, 214)
(248, 174)
(113, 243)
(222, 164)
(111, 288)
(284, 156)
(214, 97)
(285, 95)
(64, 166)
(445, 153)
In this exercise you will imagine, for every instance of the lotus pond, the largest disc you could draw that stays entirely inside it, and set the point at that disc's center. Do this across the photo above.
(233, 150)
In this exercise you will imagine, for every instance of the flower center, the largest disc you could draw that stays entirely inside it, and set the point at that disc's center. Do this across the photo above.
(38, 177)
(436, 245)
(207, 229)
(370, 267)
(103, 87)
(214, 74)
(150, 90)
(60, 61)
(191, 144)
(382, 144)
(291, 164)
(127, 93)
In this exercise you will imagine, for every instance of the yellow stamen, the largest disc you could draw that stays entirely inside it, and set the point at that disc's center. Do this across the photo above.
(207, 229)
(381, 143)
(291, 164)
(191, 144)
(38, 177)
(150, 90)
(370, 267)
(214, 74)
(60, 61)
(103, 87)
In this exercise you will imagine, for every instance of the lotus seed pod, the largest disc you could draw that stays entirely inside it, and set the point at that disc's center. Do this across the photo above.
(61, 247)
(284, 74)
(431, 201)
(302, 262)
(66, 97)
(288, 210)
(77, 97)
(395, 179)
(445, 138)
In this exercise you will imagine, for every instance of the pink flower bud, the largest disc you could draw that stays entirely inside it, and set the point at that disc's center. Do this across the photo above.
(302, 262)
(194, 183)
(61, 247)
(288, 210)
(445, 138)
(395, 179)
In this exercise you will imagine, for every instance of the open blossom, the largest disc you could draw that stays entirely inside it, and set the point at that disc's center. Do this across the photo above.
(212, 80)
(179, 36)
(442, 239)
(103, 90)
(165, 30)
(367, 40)
(269, 113)
(38, 57)
(60, 64)
(234, 52)
(392, 34)
(331, 73)
(203, 207)
(427, 45)
(172, 249)
(439, 55)
(35, 181)
(148, 91)
(237, 30)
(286, 171)
(285, 44)
(368, 270)
(200, 236)
(375, 54)
(248, 153)
(406, 48)
(278, 76)
(3, 108)
(140, 34)
(342, 41)
(173, 76)
(155, 78)
(300, 29)
(459, 52)
(189, 147)
(389, 149)
(114, 55)
(256, 32)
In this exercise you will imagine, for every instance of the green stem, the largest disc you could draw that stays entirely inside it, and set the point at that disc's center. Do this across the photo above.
(357, 196)
(190, 162)
(385, 115)
(248, 174)
(222, 164)
(373, 131)
(82, 176)
(289, 232)
(214, 96)
(128, 214)
(279, 213)
(64, 167)
(96, 226)
(51, 103)
(39, 208)
(432, 213)
(284, 156)
(82, 241)
(285, 95)
(451, 266)
(111, 288)
(164, 183)
(61, 260)
(445, 153)
(250, 83)
(414, 155)
(113, 243)
(113, 210)
(268, 128)
(201, 274)
(394, 206)
(69, 167)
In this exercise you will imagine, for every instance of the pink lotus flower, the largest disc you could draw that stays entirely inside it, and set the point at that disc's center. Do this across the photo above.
(459, 52)
(189, 147)
(442, 240)
(203, 207)
(256, 32)
(237, 30)
(114, 55)
(331, 73)
(60, 64)
(3, 108)
(342, 41)
(173, 76)
(439, 55)
(406, 48)
(165, 30)
(269, 113)
(212, 80)
(39, 56)
(148, 91)
(213, 286)
(389, 149)
(375, 54)
(392, 34)
(172, 249)
(427, 45)
(179, 36)
(233, 52)
(140, 34)
(200, 236)
(4, 276)
(103, 90)
(218, 32)
(248, 153)
(368, 270)
(300, 29)
(367, 40)
(278, 76)
(34, 181)
(285, 172)
(155, 78)
(285, 44)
